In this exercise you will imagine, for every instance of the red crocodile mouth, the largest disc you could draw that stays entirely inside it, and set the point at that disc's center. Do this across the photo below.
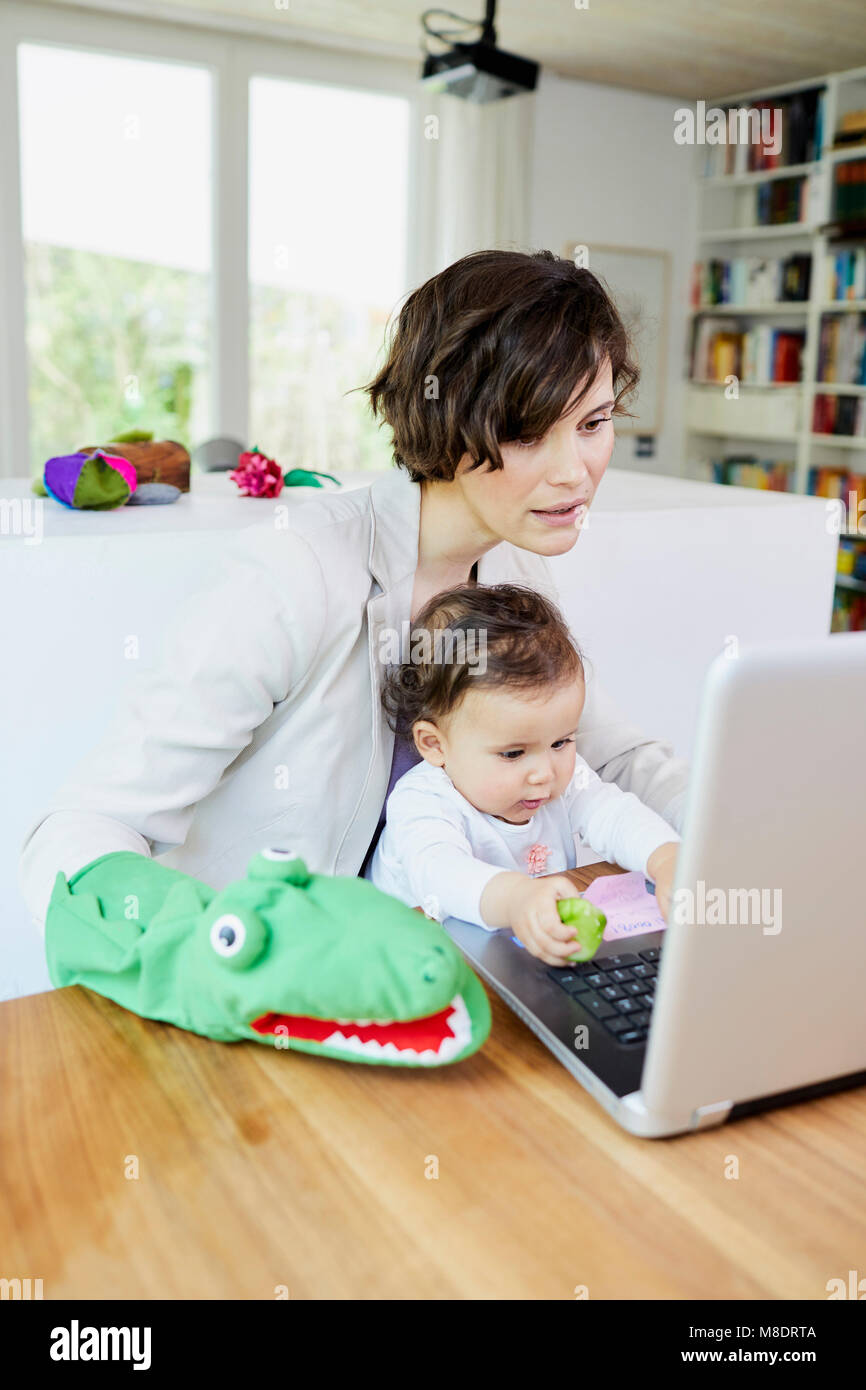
(436, 1038)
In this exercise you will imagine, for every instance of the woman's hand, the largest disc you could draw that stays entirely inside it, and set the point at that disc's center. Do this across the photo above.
(661, 868)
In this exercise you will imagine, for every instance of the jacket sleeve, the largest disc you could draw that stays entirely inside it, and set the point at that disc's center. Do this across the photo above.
(614, 747)
(614, 822)
(620, 752)
(233, 651)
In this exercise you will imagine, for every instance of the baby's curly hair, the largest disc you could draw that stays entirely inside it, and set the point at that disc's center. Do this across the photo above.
(525, 642)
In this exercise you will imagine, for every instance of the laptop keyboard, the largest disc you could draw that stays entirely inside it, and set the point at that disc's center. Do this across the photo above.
(617, 990)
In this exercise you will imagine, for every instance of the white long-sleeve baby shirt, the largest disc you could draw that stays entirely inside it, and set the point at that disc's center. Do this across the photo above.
(439, 852)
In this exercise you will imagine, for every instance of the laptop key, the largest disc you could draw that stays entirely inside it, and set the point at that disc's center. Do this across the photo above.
(567, 980)
(627, 1005)
(597, 1006)
(596, 980)
(617, 1024)
(651, 954)
(620, 962)
(611, 992)
(619, 977)
(646, 1000)
(640, 1019)
(635, 987)
(634, 1035)
(644, 972)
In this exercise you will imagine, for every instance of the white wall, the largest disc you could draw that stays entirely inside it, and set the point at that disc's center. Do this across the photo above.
(607, 170)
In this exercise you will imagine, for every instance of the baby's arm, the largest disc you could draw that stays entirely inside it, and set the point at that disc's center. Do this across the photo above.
(621, 828)
(426, 838)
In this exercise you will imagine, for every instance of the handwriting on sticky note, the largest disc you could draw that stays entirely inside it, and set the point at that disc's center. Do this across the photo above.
(630, 910)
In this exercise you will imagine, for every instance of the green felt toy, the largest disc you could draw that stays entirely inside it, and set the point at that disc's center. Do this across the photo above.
(294, 959)
(589, 923)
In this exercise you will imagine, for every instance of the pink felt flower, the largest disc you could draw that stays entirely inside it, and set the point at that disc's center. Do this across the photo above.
(257, 476)
(536, 858)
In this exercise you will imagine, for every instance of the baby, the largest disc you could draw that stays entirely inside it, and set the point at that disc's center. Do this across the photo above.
(493, 704)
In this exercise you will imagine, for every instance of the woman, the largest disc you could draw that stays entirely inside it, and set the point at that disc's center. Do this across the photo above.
(263, 723)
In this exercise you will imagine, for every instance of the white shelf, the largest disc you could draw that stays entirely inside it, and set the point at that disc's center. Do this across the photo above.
(837, 388)
(812, 236)
(751, 385)
(746, 434)
(783, 229)
(787, 171)
(784, 306)
(840, 441)
(837, 156)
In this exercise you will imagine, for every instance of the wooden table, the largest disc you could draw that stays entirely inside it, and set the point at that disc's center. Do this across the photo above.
(258, 1169)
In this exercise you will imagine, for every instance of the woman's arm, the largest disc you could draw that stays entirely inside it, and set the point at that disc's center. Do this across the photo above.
(620, 752)
(231, 654)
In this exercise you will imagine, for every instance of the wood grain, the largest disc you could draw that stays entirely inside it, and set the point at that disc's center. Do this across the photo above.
(260, 1168)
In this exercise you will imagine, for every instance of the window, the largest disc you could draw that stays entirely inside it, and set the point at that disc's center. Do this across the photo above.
(116, 214)
(327, 243)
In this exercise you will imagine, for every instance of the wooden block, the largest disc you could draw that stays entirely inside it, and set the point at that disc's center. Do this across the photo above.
(156, 461)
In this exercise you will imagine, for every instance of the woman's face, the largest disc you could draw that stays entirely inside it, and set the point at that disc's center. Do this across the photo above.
(538, 499)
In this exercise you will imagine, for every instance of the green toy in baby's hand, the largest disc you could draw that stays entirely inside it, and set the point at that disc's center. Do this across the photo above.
(589, 923)
(312, 962)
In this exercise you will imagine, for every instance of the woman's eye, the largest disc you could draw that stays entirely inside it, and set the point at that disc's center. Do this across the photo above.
(592, 425)
(526, 443)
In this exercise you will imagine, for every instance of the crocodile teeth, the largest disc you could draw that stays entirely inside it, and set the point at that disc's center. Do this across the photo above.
(459, 1022)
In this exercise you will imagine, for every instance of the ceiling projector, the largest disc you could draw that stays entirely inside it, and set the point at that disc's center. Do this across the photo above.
(479, 71)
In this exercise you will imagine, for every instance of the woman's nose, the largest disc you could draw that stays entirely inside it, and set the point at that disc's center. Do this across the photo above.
(569, 468)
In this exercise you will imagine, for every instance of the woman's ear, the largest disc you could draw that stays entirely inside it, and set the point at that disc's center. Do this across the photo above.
(429, 742)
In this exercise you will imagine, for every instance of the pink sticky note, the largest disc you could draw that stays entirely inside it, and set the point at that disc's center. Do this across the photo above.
(630, 910)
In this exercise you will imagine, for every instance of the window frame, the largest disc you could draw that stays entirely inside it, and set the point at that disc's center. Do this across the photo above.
(232, 58)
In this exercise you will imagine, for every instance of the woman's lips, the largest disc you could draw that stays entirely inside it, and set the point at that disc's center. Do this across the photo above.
(572, 516)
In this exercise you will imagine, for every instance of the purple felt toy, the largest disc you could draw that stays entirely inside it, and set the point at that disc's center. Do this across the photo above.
(99, 481)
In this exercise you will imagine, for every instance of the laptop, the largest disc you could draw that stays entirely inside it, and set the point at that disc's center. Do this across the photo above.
(753, 994)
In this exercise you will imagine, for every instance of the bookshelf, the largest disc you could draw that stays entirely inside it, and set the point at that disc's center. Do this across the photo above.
(767, 238)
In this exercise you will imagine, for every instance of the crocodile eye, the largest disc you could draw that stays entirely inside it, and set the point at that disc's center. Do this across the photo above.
(228, 934)
(239, 941)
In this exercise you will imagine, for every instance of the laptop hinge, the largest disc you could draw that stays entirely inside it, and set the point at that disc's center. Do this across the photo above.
(708, 1115)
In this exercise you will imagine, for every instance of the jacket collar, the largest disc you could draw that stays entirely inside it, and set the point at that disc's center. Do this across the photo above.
(395, 504)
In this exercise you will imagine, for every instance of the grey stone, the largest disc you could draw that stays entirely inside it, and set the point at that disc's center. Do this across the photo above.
(153, 495)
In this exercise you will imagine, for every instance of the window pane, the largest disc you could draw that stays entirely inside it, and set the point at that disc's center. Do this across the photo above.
(328, 191)
(116, 211)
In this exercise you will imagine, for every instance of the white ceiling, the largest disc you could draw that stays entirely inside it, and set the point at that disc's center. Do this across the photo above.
(679, 48)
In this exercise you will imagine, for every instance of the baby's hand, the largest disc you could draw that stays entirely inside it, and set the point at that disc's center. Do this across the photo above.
(535, 918)
(661, 866)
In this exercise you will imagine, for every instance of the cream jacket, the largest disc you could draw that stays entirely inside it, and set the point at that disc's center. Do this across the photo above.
(262, 723)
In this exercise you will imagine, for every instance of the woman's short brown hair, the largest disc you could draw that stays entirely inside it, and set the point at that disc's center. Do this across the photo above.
(526, 642)
(490, 350)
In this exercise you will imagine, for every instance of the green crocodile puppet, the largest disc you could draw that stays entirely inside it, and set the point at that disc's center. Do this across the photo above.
(322, 964)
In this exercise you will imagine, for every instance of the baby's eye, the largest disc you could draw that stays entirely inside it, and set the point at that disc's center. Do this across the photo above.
(512, 753)
(561, 742)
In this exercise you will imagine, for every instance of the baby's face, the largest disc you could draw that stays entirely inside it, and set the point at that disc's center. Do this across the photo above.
(507, 753)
